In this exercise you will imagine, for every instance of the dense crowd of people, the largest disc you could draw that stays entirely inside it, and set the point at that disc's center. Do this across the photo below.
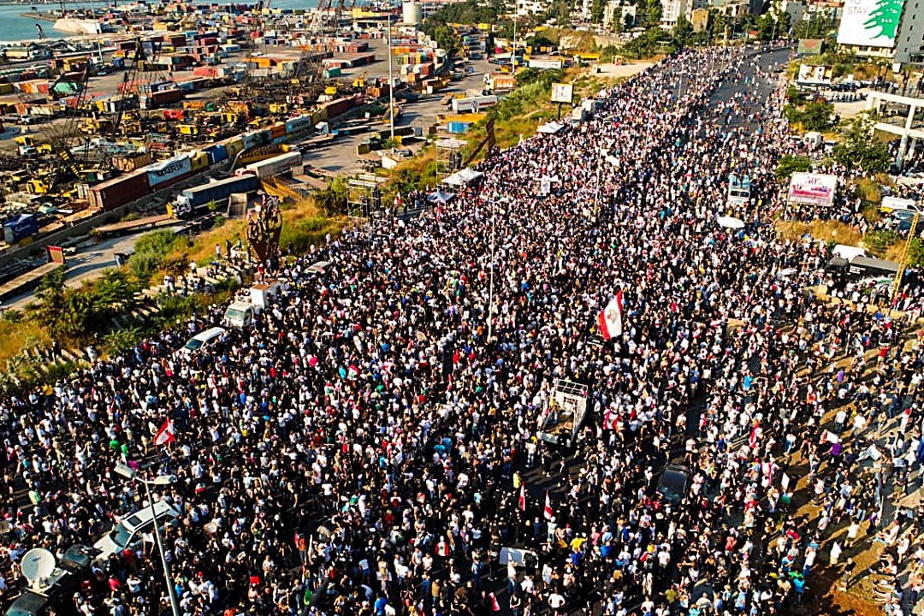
(371, 444)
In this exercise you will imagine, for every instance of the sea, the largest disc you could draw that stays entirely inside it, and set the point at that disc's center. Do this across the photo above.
(14, 27)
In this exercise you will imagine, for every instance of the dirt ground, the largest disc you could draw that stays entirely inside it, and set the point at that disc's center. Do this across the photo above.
(824, 591)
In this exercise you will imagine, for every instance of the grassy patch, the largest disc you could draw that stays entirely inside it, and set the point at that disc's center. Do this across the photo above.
(18, 336)
(826, 230)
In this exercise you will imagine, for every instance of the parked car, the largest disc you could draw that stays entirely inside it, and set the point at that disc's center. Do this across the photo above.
(674, 483)
(129, 531)
(201, 340)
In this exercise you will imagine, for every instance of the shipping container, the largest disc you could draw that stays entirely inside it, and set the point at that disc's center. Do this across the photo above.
(192, 198)
(130, 162)
(166, 97)
(199, 161)
(234, 146)
(272, 167)
(457, 127)
(337, 107)
(21, 227)
(299, 123)
(216, 153)
(253, 139)
(169, 171)
(118, 191)
(473, 104)
(277, 130)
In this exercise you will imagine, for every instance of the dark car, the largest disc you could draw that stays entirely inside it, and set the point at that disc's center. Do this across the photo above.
(57, 597)
(673, 483)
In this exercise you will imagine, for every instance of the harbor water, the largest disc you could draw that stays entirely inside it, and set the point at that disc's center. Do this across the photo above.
(14, 27)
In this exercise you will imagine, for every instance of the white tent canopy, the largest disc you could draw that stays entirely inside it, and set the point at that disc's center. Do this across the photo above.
(465, 177)
(550, 128)
(730, 222)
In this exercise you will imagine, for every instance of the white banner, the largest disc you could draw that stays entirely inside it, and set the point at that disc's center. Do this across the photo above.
(812, 189)
(870, 23)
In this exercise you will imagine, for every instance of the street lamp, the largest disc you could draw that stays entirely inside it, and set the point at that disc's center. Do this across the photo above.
(160, 480)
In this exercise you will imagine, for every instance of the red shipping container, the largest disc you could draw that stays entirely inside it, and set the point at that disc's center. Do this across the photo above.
(119, 191)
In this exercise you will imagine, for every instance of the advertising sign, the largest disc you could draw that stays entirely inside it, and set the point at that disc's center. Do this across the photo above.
(545, 64)
(562, 93)
(812, 189)
(870, 23)
(169, 170)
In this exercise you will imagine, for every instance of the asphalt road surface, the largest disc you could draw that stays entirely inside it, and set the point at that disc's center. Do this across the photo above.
(85, 265)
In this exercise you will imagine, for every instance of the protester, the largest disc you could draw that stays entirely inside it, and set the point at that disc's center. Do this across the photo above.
(370, 444)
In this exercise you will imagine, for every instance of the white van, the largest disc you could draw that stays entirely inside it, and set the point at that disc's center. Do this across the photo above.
(202, 340)
(239, 314)
(128, 533)
(848, 253)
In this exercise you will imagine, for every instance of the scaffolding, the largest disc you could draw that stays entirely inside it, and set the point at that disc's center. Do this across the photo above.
(364, 195)
(448, 156)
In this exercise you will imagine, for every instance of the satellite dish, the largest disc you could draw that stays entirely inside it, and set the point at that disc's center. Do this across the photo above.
(37, 563)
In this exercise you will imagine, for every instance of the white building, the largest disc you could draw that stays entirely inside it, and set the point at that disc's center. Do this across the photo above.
(869, 30)
(618, 9)
(671, 11)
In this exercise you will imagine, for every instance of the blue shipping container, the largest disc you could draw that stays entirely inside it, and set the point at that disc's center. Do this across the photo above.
(24, 225)
(217, 191)
(458, 127)
(216, 153)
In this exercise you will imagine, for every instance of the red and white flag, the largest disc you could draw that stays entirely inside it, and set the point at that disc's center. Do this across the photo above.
(522, 497)
(547, 512)
(165, 434)
(611, 318)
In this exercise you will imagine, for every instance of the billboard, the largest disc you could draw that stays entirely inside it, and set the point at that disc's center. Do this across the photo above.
(870, 23)
(812, 189)
(810, 47)
(562, 93)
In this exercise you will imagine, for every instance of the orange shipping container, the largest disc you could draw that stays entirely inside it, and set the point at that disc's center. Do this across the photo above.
(278, 130)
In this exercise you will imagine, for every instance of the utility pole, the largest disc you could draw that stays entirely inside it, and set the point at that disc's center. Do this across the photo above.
(391, 88)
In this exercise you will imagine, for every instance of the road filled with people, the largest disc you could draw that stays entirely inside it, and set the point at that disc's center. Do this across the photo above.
(370, 444)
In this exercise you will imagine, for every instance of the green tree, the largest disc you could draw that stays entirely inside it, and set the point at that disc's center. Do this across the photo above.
(766, 26)
(682, 32)
(790, 164)
(815, 26)
(818, 116)
(654, 11)
(859, 148)
(597, 10)
(609, 53)
(333, 199)
(447, 40)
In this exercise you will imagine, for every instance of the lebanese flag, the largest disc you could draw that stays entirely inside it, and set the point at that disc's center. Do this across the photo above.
(547, 511)
(165, 434)
(522, 497)
(611, 318)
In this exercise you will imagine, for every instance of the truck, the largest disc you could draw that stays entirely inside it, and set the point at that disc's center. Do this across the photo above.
(563, 414)
(277, 165)
(193, 199)
(241, 312)
(858, 268)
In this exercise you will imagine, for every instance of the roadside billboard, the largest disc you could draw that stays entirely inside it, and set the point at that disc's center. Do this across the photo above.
(812, 189)
(562, 93)
(870, 23)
